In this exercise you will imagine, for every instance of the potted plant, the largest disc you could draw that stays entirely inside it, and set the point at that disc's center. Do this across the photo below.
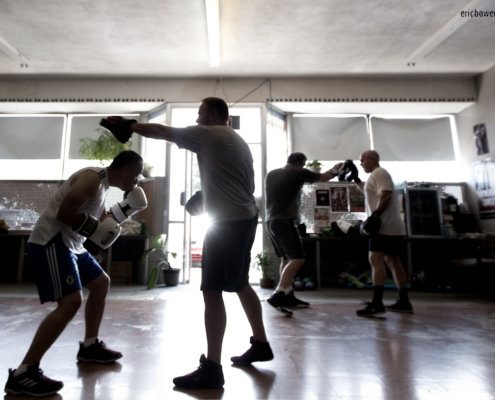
(147, 170)
(262, 263)
(158, 256)
(105, 148)
(314, 166)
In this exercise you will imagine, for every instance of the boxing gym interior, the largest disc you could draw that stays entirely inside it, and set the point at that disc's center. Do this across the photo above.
(414, 81)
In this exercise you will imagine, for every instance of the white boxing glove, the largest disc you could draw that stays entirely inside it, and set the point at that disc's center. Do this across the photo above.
(134, 201)
(102, 233)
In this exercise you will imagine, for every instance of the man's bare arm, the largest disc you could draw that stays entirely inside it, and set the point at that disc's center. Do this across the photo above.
(154, 131)
(84, 186)
(384, 201)
(328, 175)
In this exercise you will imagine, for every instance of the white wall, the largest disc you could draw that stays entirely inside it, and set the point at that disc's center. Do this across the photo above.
(482, 112)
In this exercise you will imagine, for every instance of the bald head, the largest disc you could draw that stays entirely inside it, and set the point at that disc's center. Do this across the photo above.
(370, 160)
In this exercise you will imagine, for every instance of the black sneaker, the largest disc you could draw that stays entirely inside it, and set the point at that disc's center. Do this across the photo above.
(276, 300)
(401, 307)
(371, 310)
(258, 351)
(209, 375)
(97, 352)
(32, 383)
(290, 300)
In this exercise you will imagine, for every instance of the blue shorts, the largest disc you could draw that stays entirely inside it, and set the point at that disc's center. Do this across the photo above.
(58, 271)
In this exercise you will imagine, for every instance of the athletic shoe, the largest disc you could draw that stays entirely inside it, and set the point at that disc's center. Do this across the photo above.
(401, 307)
(209, 375)
(32, 383)
(290, 300)
(97, 352)
(371, 310)
(258, 351)
(276, 300)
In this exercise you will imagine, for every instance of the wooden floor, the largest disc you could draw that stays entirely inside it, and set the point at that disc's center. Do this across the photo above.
(446, 350)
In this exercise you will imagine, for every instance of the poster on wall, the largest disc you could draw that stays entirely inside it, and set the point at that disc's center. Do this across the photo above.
(322, 219)
(481, 139)
(322, 198)
(339, 199)
(484, 173)
(356, 199)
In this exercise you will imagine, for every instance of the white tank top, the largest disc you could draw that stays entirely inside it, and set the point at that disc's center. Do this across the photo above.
(47, 226)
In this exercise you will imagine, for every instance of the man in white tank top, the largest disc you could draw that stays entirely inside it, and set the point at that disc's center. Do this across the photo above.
(386, 231)
(63, 266)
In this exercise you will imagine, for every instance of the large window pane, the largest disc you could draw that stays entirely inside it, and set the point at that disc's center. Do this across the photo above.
(177, 182)
(250, 123)
(258, 173)
(31, 137)
(276, 142)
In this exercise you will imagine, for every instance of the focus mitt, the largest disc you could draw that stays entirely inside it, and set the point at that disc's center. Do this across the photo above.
(121, 128)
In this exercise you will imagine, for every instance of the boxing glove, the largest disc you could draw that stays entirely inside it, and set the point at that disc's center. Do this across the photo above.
(102, 233)
(371, 226)
(120, 129)
(195, 205)
(353, 176)
(134, 201)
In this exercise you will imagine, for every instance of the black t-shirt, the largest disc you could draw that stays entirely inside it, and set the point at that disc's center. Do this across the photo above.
(283, 188)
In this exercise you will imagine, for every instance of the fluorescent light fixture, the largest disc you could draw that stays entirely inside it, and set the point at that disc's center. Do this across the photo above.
(12, 52)
(213, 25)
(445, 31)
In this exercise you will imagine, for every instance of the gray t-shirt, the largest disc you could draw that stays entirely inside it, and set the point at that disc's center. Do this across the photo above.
(226, 170)
(283, 188)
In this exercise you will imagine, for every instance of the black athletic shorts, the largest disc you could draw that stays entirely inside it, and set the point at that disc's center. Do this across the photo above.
(388, 244)
(227, 255)
(286, 238)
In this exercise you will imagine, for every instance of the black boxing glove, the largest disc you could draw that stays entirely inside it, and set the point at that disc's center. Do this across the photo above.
(120, 129)
(371, 226)
(353, 176)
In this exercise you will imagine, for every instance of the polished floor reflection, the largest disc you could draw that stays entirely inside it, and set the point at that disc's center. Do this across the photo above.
(446, 350)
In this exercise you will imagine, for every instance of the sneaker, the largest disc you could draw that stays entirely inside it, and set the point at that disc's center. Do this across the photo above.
(371, 310)
(32, 383)
(276, 301)
(209, 375)
(290, 300)
(258, 351)
(401, 307)
(97, 352)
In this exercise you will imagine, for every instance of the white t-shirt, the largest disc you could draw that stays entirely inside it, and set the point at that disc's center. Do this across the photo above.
(226, 170)
(379, 180)
(47, 226)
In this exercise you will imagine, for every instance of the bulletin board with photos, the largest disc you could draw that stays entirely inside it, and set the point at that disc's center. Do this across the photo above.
(325, 202)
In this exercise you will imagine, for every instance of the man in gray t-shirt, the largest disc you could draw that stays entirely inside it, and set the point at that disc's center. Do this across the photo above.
(283, 188)
(227, 180)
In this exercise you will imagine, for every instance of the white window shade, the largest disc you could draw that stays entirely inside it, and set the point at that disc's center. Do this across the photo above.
(413, 139)
(330, 138)
(31, 137)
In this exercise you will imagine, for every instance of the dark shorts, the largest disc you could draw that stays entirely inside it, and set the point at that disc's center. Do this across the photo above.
(227, 255)
(286, 238)
(390, 245)
(58, 271)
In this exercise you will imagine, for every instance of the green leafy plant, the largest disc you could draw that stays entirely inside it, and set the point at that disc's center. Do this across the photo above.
(158, 256)
(105, 148)
(314, 164)
(262, 263)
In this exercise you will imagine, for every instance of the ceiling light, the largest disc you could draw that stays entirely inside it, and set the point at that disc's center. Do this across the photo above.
(12, 52)
(213, 25)
(445, 31)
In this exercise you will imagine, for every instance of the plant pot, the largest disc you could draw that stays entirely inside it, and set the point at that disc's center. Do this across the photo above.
(267, 283)
(171, 276)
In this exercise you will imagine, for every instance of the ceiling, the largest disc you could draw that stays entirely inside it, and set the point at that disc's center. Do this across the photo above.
(259, 38)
